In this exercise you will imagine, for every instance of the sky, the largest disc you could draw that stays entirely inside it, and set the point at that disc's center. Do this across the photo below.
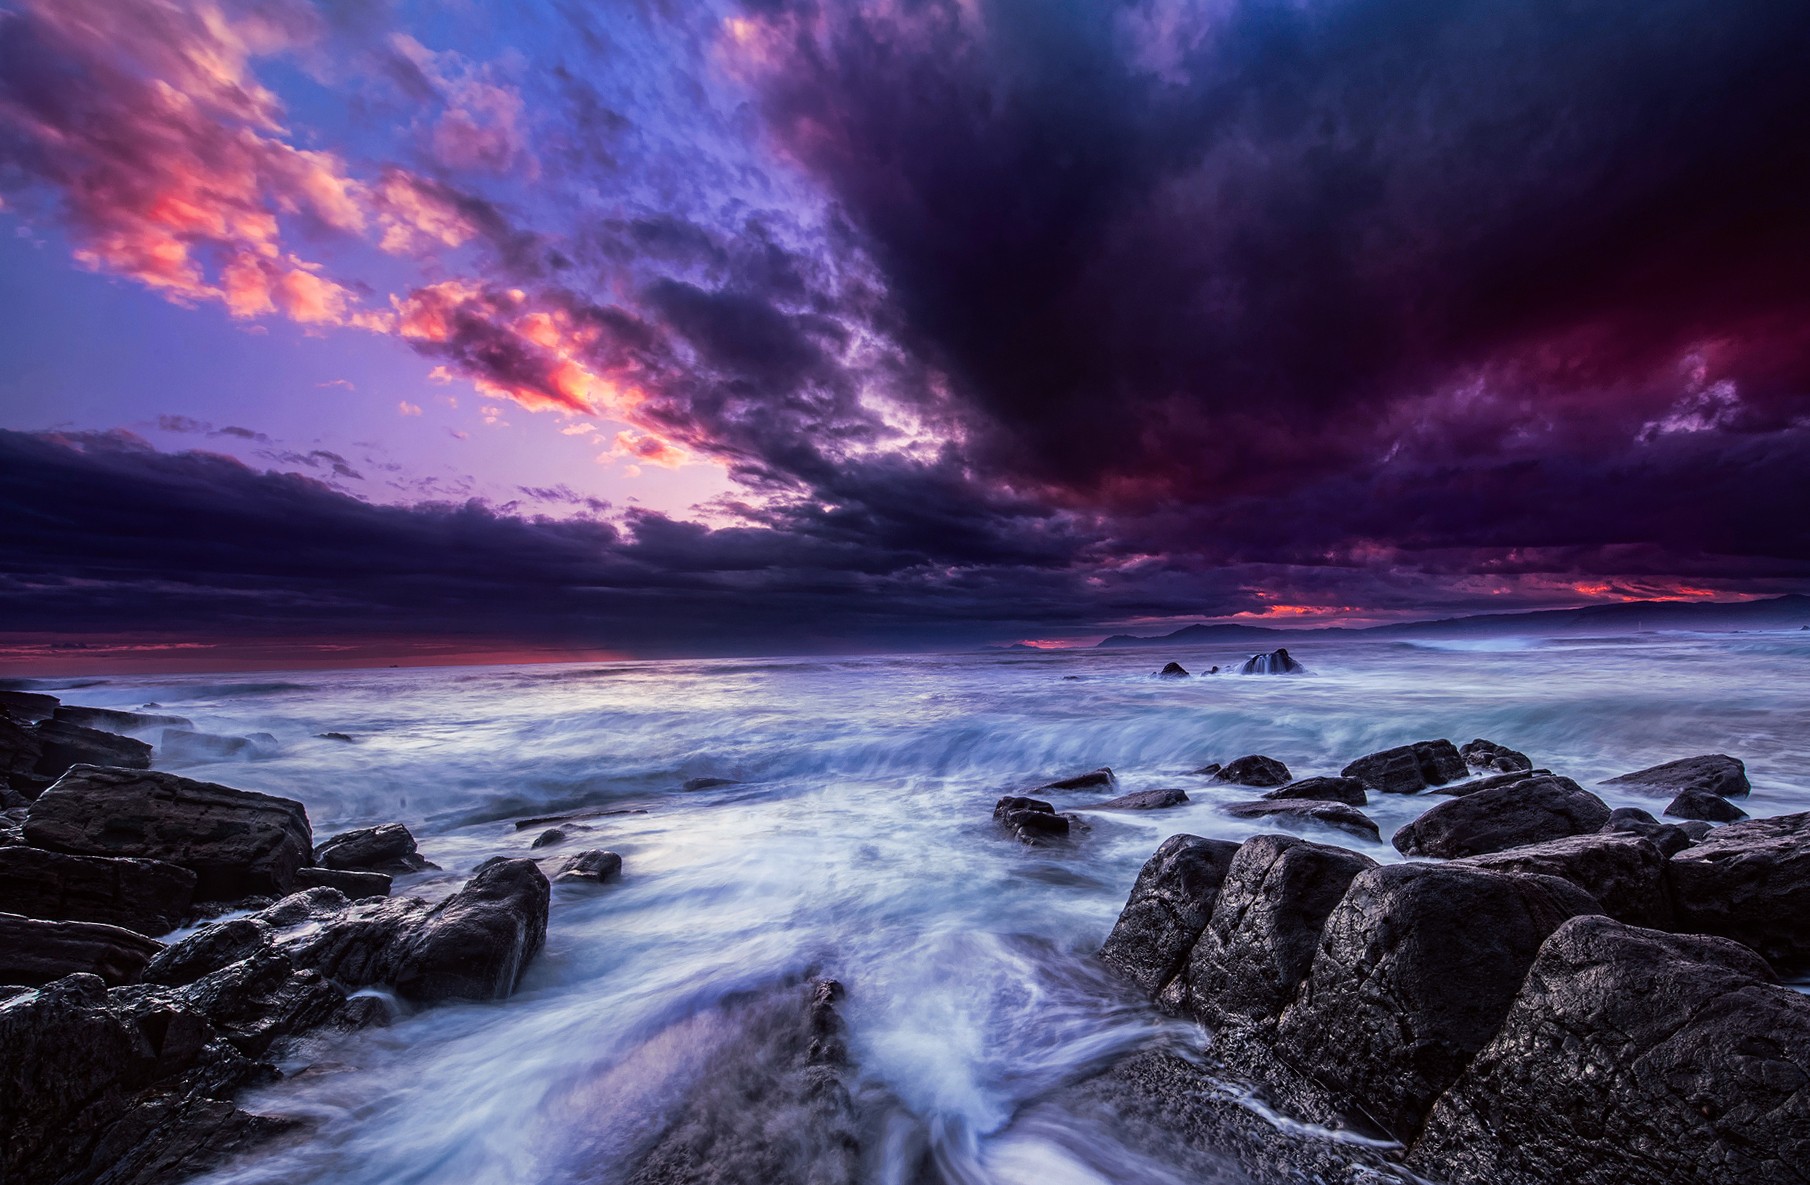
(642, 328)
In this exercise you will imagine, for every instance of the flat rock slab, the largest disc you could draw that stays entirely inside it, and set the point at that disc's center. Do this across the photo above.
(1521, 813)
(63, 746)
(1407, 769)
(1300, 813)
(236, 842)
(148, 896)
(1349, 791)
(34, 951)
(1142, 800)
(1750, 881)
(1098, 779)
(1168, 908)
(115, 720)
(1631, 1055)
(1712, 773)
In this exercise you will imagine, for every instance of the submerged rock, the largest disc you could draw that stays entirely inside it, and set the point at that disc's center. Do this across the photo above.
(1700, 804)
(389, 848)
(1407, 769)
(148, 896)
(1626, 874)
(1526, 812)
(1299, 812)
(1711, 773)
(1349, 791)
(236, 842)
(1631, 1055)
(1254, 770)
(1143, 800)
(1168, 908)
(1276, 662)
(1174, 670)
(1098, 779)
(1488, 755)
(592, 867)
(1750, 881)
(62, 746)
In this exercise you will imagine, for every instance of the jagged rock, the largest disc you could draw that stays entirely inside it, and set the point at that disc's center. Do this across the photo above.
(1712, 773)
(255, 1001)
(1143, 800)
(1626, 874)
(1472, 785)
(1416, 968)
(1299, 812)
(707, 783)
(341, 737)
(1349, 791)
(34, 951)
(62, 746)
(1750, 881)
(207, 950)
(1700, 804)
(1276, 662)
(353, 943)
(476, 944)
(148, 896)
(1168, 908)
(389, 848)
(237, 842)
(27, 707)
(1254, 770)
(1031, 820)
(1631, 1055)
(1669, 838)
(1409, 768)
(1098, 779)
(356, 885)
(1260, 942)
(592, 867)
(1527, 812)
(1174, 670)
(1488, 755)
(114, 720)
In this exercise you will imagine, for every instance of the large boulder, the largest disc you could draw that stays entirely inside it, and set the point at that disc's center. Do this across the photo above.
(389, 848)
(1701, 804)
(1259, 943)
(355, 885)
(1712, 773)
(1416, 967)
(1625, 873)
(148, 896)
(237, 842)
(61, 746)
(476, 944)
(1254, 770)
(1750, 881)
(1349, 791)
(1512, 816)
(34, 951)
(1493, 758)
(1631, 1055)
(1301, 812)
(1167, 910)
(1409, 768)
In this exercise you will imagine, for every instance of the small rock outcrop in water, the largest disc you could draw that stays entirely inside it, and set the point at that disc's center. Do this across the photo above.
(1276, 662)
(1721, 1095)
(389, 848)
(1173, 670)
(1167, 910)
(593, 867)
(1255, 770)
(706, 783)
(1525, 812)
(1700, 804)
(1408, 769)
(1299, 811)
(1711, 773)
(236, 842)
(1488, 755)
(1030, 820)
(1349, 791)
(148, 896)
(1099, 779)
(1143, 800)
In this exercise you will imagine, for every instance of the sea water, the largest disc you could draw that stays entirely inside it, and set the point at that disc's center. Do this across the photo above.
(856, 841)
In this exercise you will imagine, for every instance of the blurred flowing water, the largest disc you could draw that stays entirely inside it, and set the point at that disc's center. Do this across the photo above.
(857, 842)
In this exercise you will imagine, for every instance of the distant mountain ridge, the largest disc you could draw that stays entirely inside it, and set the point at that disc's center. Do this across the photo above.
(1788, 611)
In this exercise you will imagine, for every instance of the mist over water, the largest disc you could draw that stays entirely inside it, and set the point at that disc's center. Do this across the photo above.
(858, 843)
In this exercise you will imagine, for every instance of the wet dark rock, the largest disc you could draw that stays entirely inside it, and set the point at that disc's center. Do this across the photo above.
(62, 746)
(148, 896)
(27, 707)
(1669, 838)
(185, 744)
(1031, 820)
(355, 885)
(1409, 768)
(335, 736)
(1349, 791)
(549, 837)
(209, 949)
(1472, 785)
(1416, 967)
(1711, 773)
(1750, 881)
(1276, 662)
(34, 951)
(1488, 755)
(1143, 800)
(114, 720)
(1699, 804)
(1207, 770)
(1512, 816)
(1695, 829)
(707, 783)
(1254, 770)
(389, 848)
(1300, 812)
(1098, 779)
(1174, 670)
(1631, 1055)
(354, 943)
(237, 842)
(1265, 928)
(1626, 874)
(476, 944)
(592, 867)
(20, 753)
(1169, 906)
